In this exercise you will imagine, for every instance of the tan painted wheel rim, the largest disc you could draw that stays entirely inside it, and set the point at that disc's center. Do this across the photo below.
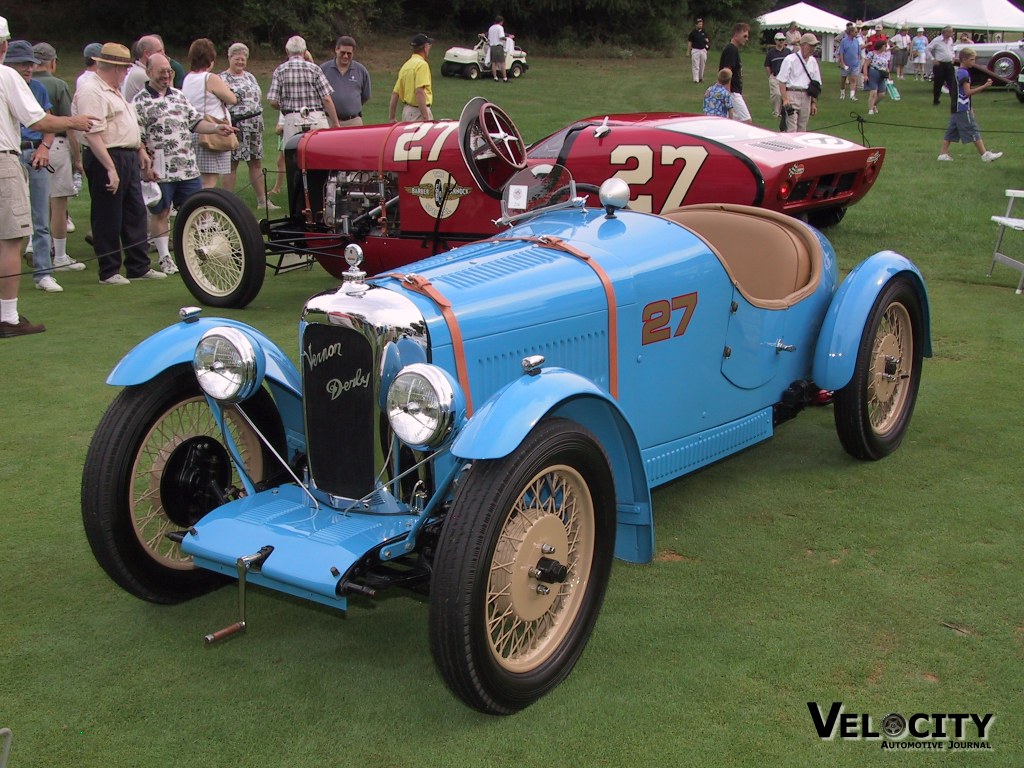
(212, 250)
(184, 420)
(555, 512)
(892, 358)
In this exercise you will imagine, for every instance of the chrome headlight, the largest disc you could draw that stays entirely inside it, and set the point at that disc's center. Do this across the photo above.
(422, 405)
(228, 364)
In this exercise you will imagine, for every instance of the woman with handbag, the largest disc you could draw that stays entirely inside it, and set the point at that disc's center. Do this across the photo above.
(211, 97)
(247, 116)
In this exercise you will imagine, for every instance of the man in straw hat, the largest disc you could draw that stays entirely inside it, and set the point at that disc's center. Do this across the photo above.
(18, 107)
(114, 159)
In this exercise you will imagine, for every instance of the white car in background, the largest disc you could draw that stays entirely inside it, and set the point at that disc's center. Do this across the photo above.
(1002, 59)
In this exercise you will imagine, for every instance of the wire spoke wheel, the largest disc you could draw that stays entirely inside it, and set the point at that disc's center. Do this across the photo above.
(521, 568)
(527, 619)
(219, 249)
(177, 461)
(872, 412)
(893, 353)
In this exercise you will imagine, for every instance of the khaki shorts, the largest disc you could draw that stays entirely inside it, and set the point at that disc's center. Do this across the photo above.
(61, 184)
(15, 215)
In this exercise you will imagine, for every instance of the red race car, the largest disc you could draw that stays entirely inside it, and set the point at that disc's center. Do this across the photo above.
(406, 191)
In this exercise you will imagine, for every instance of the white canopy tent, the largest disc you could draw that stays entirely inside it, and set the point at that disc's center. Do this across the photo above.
(994, 15)
(827, 26)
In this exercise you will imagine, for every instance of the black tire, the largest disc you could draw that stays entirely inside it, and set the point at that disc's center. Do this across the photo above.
(150, 466)
(823, 218)
(474, 606)
(448, 69)
(219, 249)
(471, 71)
(515, 71)
(1006, 65)
(873, 411)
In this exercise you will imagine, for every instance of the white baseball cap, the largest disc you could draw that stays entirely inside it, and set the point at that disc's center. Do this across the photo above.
(5, 31)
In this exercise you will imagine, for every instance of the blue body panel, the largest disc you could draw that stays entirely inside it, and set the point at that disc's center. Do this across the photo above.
(308, 542)
(843, 326)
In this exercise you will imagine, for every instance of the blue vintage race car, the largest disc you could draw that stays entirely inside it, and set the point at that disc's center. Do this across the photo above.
(487, 425)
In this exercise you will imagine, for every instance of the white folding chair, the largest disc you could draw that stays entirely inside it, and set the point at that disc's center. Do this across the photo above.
(1013, 223)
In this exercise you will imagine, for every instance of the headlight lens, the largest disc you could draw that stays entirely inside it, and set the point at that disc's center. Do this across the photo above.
(228, 365)
(421, 406)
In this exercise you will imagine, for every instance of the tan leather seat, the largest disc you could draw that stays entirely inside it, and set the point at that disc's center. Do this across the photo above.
(773, 260)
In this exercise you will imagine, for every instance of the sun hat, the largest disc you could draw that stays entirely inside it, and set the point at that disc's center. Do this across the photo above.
(20, 52)
(114, 53)
(808, 39)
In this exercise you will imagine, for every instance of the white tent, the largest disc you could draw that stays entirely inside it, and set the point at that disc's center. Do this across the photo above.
(810, 19)
(995, 15)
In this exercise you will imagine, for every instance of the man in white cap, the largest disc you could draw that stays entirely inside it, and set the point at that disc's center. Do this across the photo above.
(772, 64)
(300, 91)
(18, 107)
(798, 71)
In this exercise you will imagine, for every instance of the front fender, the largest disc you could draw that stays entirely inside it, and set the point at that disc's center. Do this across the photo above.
(501, 424)
(176, 344)
(836, 352)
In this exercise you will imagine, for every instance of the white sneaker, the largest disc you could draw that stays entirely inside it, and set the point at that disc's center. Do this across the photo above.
(116, 279)
(842, 95)
(71, 224)
(269, 204)
(167, 265)
(67, 264)
(28, 246)
(853, 97)
(872, 111)
(948, 159)
(988, 157)
(151, 275)
(48, 284)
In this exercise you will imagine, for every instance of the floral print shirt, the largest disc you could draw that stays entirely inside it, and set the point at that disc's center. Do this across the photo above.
(166, 123)
(250, 101)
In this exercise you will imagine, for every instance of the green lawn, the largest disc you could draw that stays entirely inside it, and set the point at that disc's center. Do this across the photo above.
(786, 575)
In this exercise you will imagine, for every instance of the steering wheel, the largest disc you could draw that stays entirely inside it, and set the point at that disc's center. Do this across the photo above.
(501, 136)
(491, 145)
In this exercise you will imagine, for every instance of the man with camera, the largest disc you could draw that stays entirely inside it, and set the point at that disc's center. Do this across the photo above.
(800, 84)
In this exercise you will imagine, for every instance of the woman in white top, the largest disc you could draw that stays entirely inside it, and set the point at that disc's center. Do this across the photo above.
(210, 95)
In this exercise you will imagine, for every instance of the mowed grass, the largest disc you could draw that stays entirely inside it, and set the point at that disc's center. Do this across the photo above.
(786, 575)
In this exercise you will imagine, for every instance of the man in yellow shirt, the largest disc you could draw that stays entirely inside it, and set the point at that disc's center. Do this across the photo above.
(413, 85)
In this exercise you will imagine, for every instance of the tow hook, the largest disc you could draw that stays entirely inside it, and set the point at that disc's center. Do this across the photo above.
(246, 563)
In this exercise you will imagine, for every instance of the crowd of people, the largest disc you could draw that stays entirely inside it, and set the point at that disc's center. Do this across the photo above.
(868, 60)
(138, 119)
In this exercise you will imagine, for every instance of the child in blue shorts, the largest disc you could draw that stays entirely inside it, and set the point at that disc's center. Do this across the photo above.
(962, 125)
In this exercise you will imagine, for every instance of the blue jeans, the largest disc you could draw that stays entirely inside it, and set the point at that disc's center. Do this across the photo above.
(39, 200)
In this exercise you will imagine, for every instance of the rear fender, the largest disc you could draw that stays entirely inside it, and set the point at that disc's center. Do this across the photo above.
(498, 428)
(839, 339)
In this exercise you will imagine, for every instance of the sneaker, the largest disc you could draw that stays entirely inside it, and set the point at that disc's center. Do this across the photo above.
(151, 275)
(167, 265)
(116, 279)
(853, 98)
(988, 157)
(270, 205)
(842, 95)
(48, 284)
(71, 224)
(21, 328)
(28, 247)
(872, 111)
(948, 158)
(67, 264)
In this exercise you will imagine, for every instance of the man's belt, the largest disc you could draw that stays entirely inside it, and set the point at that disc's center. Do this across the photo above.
(350, 117)
(305, 110)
